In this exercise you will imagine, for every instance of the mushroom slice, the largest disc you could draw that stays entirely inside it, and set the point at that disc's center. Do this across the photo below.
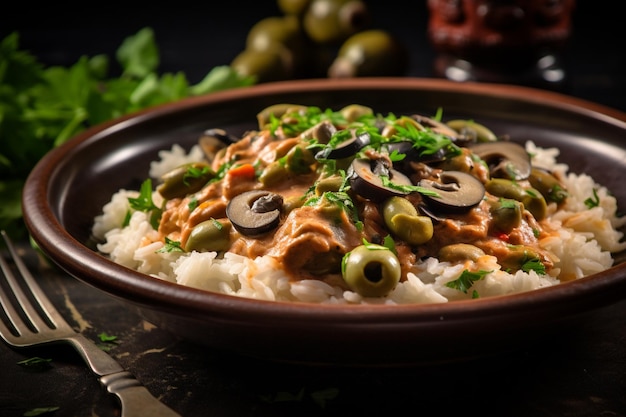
(505, 159)
(347, 148)
(366, 179)
(255, 212)
(457, 192)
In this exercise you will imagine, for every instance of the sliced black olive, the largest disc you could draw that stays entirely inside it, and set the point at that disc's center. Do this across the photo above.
(456, 193)
(505, 159)
(347, 148)
(365, 179)
(255, 212)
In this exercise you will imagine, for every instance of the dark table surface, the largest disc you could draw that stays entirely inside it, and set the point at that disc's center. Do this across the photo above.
(577, 371)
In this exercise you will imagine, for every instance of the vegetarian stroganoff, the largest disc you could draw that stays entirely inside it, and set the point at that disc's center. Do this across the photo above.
(355, 206)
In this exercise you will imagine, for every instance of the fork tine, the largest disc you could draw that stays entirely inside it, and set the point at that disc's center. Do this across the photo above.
(47, 309)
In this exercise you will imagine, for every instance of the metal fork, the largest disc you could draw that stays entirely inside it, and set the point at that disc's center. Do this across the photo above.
(46, 326)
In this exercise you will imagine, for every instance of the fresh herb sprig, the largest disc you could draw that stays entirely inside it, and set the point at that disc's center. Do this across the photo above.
(43, 107)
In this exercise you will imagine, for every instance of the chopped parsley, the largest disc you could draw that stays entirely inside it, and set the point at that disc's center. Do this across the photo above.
(534, 264)
(171, 246)
(465, 281)
(593, 201)
(144, 203)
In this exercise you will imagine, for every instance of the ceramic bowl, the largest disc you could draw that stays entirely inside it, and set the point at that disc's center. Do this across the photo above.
(69, 186)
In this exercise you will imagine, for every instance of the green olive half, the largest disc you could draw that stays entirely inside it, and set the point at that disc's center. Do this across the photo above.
(209, 235)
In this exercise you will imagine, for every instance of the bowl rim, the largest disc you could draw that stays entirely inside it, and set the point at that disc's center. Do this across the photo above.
(95, 270)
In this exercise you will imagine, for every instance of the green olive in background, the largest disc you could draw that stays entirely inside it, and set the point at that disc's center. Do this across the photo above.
(333, 21)
(293, 7)
(209, 235)
(275, 63)
(370, 53)
(460, 252)
(185, 179)
(371, 270)
(286, 31)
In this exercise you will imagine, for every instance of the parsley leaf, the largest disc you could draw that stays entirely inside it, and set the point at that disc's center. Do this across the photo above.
(593, 201)
(144, 203)
(465, 281)
(42, 107)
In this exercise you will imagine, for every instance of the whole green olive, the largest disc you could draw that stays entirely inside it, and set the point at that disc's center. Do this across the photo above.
(329, 22)
(185, 179)
(371, 270)
(460, 252)
(284, 33)
(548, 185)
(293, 7)
(370, 53)
(209, 235)
(532, 199)
(284, 30)
(274, 63)
(404, 222)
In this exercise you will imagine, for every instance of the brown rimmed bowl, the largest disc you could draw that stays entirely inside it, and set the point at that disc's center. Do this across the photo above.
(70, 185)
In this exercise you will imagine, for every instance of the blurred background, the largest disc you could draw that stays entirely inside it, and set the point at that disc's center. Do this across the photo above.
(194, 37)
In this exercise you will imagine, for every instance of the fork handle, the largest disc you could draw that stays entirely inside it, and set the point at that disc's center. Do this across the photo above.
(135, 399)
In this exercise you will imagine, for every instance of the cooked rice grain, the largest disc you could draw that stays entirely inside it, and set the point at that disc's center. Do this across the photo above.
(586, 237)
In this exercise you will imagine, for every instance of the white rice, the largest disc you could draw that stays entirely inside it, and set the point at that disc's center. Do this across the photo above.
(583, 246)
